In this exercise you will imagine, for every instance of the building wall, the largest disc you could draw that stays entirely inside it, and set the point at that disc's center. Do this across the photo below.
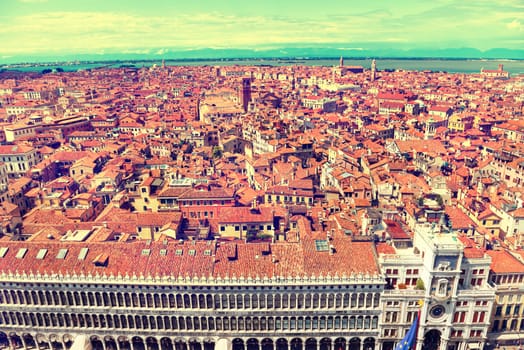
(59, 312)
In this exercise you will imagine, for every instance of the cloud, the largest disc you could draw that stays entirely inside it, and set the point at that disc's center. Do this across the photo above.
(515, 25)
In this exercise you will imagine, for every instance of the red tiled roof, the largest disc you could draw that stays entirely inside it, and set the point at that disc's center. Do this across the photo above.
(244, 215)
(193, 259)
(504, 262)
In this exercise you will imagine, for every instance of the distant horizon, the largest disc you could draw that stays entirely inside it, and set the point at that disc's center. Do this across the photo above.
(295, 53)
(449, 65)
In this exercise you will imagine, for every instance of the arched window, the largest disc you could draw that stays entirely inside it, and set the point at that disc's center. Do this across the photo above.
(149, 300)
(345, 302)
(315, 301)
(374, 322)
(338, 301)
(278, 301)
(293, 301)
(152, 322)
(194, 301)
(269, 301)
(353, 300)
(442, 287)
(262, 301)
(352, 322)
(120, 299)
(331, 301)
(196, 323)
(285, 301)
(301, 302)
(376, 300)
(263, 324)
(359, 322)
(361, 300)
(105, 298)
(369, 299)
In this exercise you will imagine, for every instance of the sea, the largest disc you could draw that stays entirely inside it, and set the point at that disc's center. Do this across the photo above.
(436, 65)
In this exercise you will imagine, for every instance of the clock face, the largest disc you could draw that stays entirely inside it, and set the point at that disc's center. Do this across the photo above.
(437, 311)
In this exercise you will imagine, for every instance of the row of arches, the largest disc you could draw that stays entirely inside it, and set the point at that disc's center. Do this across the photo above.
(192, 301)
(31, 319)
(300, 344)
(55, 342)
(28, 341)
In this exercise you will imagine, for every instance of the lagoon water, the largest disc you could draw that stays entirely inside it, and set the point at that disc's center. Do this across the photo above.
(444, 65)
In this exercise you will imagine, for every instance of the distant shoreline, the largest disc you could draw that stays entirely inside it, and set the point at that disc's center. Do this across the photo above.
(285, 59)
(437, 64)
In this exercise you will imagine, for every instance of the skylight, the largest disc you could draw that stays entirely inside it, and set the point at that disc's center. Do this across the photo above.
(41, 254)
(83, 253)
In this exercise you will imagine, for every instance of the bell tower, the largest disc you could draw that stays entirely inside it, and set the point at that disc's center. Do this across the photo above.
(373, 70)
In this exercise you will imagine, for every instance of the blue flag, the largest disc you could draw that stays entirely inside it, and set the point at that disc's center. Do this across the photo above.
(409, 339)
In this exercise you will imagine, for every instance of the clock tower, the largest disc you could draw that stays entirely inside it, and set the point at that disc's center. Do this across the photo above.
(449, 311)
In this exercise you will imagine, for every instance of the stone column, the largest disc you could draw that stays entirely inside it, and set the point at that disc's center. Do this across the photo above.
(443, 344)
(24, 346)
(11, 342)
(420, 342)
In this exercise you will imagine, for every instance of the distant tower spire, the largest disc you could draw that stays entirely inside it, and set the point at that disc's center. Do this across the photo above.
(245, 96)
(373, 70)
(341, 62)
(163, 64)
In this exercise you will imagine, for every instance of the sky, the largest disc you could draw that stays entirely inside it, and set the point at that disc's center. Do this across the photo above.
(54, 27)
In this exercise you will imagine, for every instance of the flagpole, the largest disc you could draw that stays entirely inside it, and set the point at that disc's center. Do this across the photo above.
(420, 304)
